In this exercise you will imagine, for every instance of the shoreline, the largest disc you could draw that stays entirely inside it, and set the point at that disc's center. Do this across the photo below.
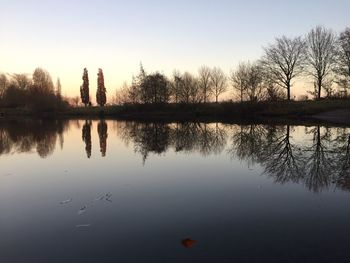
(324, 111)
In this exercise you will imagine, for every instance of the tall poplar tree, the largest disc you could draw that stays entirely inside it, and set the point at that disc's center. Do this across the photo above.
(101, 90)
(84, 89)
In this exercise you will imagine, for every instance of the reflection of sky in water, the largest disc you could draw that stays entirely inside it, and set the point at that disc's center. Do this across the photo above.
(227, 205)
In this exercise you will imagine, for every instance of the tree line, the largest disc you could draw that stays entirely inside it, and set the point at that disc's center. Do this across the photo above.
(321, 56)
(36, 92)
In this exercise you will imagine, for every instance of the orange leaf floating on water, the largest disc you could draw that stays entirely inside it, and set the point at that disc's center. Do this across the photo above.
(188, 242)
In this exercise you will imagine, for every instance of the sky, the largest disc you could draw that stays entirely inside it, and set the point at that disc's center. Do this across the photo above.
(65, 36)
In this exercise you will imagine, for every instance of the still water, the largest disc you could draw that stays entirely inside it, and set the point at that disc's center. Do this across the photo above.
(115, 191)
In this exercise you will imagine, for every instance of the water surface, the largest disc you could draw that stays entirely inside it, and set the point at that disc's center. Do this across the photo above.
(115, 191)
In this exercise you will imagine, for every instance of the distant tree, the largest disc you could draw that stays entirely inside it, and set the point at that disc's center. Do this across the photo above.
(238, 80)
(204, 83)
(102, 130)
(75, 101)
(134, 93)
(3, 85)
(42, 81)
(343, 60)
(136, 90)
(321, 54)
(284, 60)
(219, 82)
(22, 81)
(155, 89)
(58, 89)
(122, 95)
(101, 90)
(84, 89)
(248, 81)
(273, 92)
(176, 86)
(190, 92)
(254, 82)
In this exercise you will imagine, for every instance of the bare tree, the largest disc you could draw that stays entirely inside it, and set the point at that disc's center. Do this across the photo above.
(176, 86)
(42, 81)
(343, 60)
(284, 60)
(219, 82)
(22, 81)
(238, 80)
(58, 88)
(189, 89)
(254, 82)
(122, 95)
(204, 82)
(3, 84)
(321, 55)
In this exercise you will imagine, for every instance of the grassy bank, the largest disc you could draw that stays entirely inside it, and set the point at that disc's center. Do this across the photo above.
(186, 112)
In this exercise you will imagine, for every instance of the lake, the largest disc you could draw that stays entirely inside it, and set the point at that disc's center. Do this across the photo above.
(117, 191)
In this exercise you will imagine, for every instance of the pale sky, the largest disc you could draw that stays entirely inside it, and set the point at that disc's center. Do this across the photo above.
(65, 36)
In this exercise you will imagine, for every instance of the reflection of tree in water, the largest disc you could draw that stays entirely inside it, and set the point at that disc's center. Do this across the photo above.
(86, 136)
(343, 157)
(151, 137)
(211, 139)
(5, 142)
(315, 161)
(183, 137)
(315, 164)
(282, 159)
(102, 130)
(247, 143)
(318, 168)
(24, 136)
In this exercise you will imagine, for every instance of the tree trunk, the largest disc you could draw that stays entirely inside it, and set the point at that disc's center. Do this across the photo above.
(319, 86)
(288, 91)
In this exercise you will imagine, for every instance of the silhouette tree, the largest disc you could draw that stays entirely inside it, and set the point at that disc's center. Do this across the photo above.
(238, 80)
(176, 86)
(343, 60)
(3, 85)
(22, 81)
(155, 89)
(284, 60)
(86, 136)
(247, 80)
(101, 90)
(41, 94)
(219, 82)
(102, 130)
(58, 89)
(42, 82)
(84, 89)
(254, 82)
(321, 55)
(205, 83)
